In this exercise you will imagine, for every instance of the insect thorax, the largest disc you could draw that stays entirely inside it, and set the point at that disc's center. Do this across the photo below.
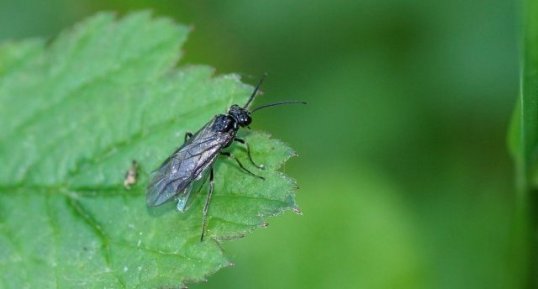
(224, 123)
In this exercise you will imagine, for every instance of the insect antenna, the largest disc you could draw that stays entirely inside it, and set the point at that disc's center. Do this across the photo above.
(278, 103)
(255, 90)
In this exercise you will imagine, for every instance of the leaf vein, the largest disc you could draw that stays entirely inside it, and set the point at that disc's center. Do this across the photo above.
(80, 212)
(106, 74)
(133, 139)
(55, 237)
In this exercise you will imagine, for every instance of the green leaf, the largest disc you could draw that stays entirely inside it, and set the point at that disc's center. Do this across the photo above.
(73, 115)
(523, 146)
(524, 134)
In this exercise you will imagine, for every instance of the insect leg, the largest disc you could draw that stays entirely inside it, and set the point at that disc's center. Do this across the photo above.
(188, 135)
(242, 141)
(207, 201)
(187, 206)
(227, 154)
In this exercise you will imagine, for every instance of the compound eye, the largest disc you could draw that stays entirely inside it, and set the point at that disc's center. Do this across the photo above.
(247, 120)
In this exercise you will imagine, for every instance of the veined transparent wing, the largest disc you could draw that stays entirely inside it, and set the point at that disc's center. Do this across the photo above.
(185, 166)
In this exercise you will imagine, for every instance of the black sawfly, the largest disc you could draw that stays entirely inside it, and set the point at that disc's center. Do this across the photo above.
(175, 178)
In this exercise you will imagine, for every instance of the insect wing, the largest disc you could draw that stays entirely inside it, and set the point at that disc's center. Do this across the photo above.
(185, 166)
(183, 198)
(166, 182)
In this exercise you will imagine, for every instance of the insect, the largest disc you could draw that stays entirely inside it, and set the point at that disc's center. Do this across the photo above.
(175, 177)
(131, 176)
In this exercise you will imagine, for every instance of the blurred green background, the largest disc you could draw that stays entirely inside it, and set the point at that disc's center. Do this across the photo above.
(404, 177)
